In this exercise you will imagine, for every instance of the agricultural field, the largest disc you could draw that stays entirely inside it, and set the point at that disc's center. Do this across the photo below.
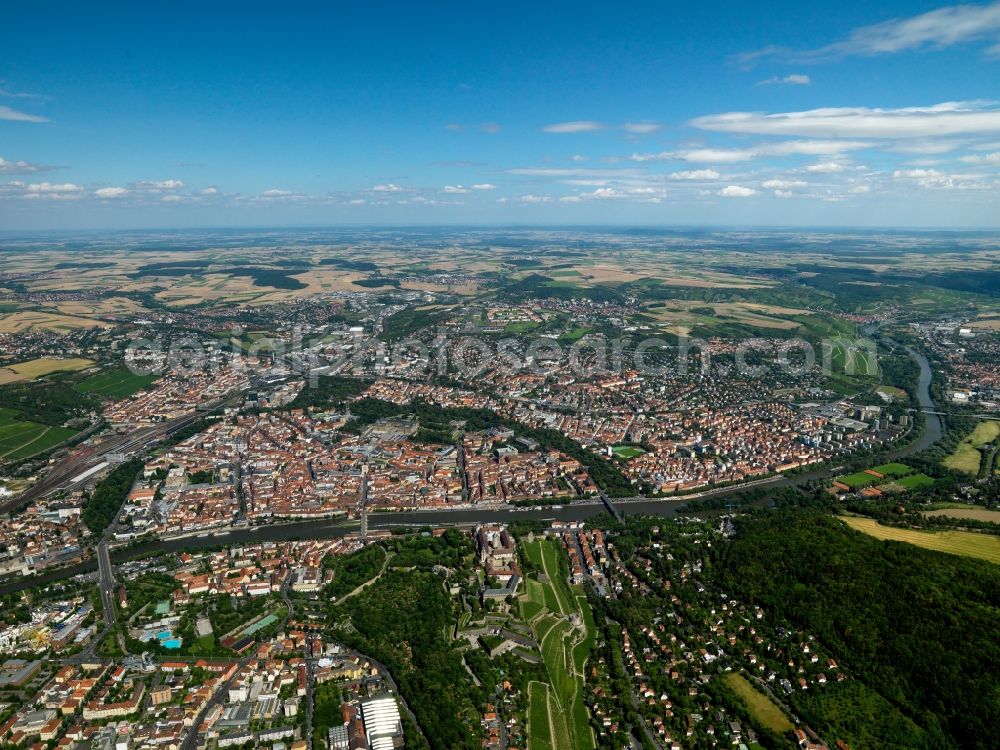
(28, 320)
(22, 439)
(762, 708)
(966, 456)
(551, 608)
(115, 383)
(964, 543)
(37, 368)
(973, 514)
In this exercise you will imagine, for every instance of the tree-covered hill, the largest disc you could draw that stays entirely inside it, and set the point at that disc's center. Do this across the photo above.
(920, 627)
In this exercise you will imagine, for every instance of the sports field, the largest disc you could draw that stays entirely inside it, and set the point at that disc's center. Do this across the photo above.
(762, 708)
(627, 451)
(553, 609)
(965, 543)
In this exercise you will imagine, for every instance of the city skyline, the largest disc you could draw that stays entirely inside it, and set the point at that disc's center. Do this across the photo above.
(448, 115)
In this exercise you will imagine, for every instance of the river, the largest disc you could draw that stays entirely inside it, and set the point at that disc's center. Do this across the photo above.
(329, 528)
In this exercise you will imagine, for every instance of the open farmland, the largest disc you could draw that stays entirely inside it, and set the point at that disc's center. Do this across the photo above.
(37, 368)
(965, 543)
(973, 514)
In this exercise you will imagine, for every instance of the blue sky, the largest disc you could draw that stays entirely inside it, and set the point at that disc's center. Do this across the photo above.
(195, 114)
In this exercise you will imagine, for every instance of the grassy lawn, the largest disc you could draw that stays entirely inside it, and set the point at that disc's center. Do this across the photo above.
(539, 732)
(115, 383)
(893, 470)
(965, 543)
(966, 457)
(914, 480)
(21, 438)
(761, 707)
(520, 327)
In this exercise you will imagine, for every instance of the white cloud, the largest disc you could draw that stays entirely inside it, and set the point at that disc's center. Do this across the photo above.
(209, 191)
(826, 167)
(695, 174)
(569, 172)
(934, 30)
(48, 187)
(783, 184)
(914, 173)
(484, 186)
(535, 198)
(734, 155)
(387, 188)
(576, 126)
(155, 186)
(795, 79)
(933, 179)
(635, 193)
(6, 113)
(454, 189)
(111, 192)
(783, 193)
(641, 128)
(21, 167)
(736, 191)
(701, 155)
(41, 190)
(945, 119)
(578, 157)
(276, 193)
(993, 158)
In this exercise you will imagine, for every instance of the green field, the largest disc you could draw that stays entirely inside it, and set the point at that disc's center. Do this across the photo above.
(762, 708)
(22, 439)
(965, 543)
(627, 451)
(966, 456)
(539, 730)
(115, 383)
(858, 479)
(548, 607)
(914, 480)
